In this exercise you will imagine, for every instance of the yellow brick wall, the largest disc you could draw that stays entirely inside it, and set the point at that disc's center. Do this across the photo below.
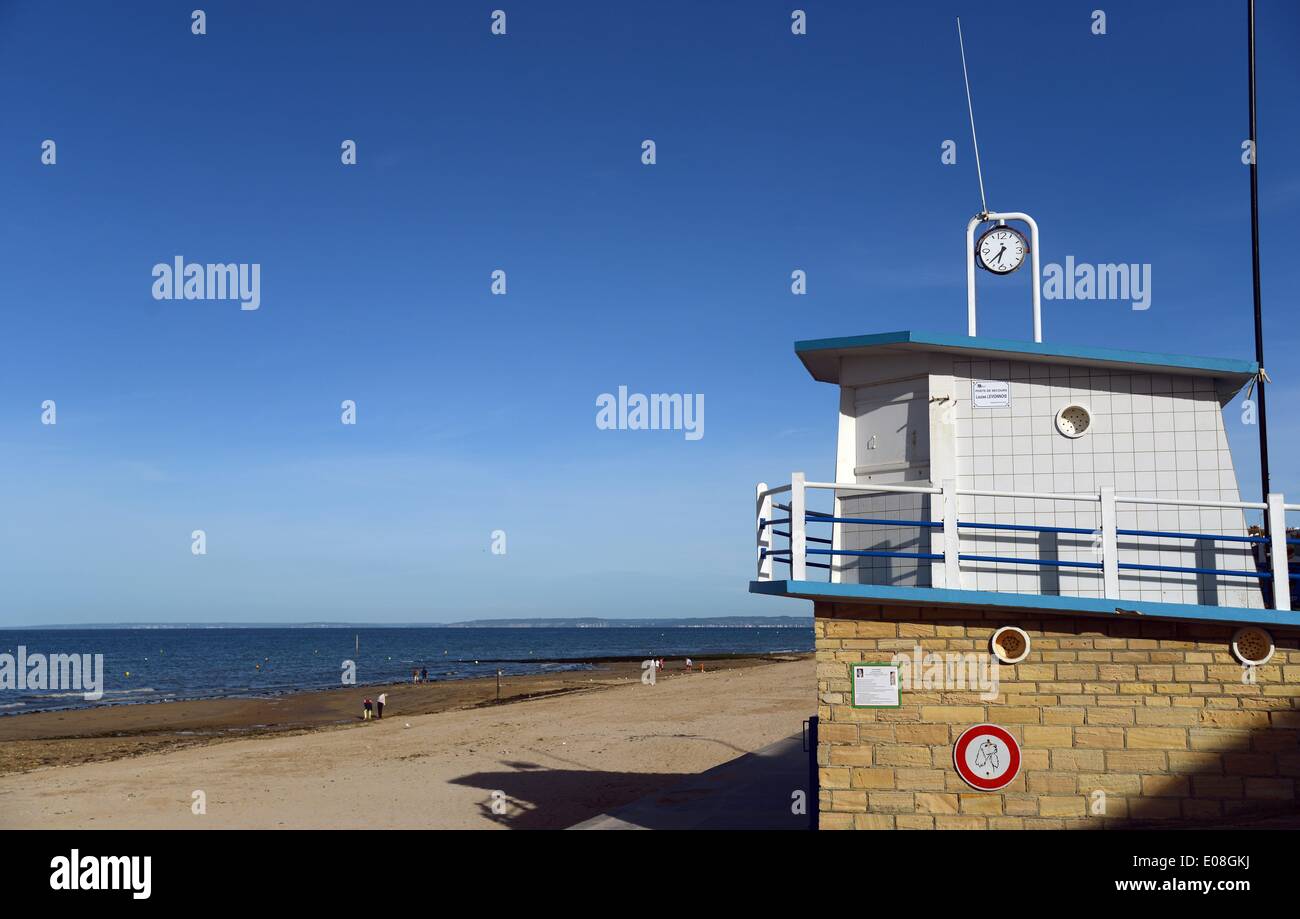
(1153, 714)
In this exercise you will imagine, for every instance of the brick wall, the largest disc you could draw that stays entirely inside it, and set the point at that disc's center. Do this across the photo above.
(1154, 714)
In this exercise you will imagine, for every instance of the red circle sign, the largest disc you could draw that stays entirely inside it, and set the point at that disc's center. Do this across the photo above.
(987, 757)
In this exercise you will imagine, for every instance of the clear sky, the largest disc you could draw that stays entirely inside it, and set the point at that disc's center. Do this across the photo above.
(476, 412)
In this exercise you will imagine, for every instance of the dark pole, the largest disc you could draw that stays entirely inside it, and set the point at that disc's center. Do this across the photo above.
(1264, 483)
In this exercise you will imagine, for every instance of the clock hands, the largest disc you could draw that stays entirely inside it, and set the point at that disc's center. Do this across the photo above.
(1011, 252)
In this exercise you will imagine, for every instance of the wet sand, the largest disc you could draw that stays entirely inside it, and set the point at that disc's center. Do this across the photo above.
(109, 732)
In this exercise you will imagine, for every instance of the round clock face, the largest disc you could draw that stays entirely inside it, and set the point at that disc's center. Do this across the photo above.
(1002, 250)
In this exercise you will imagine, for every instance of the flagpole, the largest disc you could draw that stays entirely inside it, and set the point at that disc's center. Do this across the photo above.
(1264, 483)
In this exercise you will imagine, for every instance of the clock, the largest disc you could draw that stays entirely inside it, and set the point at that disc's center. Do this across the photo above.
(1001, 250)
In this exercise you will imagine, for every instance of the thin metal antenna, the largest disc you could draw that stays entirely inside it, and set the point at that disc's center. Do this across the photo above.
(984, 205)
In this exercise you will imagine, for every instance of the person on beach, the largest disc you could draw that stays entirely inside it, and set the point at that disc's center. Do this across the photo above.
(366, 709)
(424, 674)
(379, 708)
(415, 675)
(688, 663)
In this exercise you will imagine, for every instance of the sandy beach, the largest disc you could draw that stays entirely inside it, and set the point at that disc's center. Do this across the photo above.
(559, 749)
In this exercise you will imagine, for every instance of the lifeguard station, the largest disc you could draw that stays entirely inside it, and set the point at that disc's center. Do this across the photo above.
(1072, 512)
(1076, 474)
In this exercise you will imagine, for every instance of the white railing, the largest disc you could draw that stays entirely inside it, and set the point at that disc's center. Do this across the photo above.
(769, 516)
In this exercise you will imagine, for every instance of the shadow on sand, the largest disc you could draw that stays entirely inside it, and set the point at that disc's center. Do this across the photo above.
(753, 791)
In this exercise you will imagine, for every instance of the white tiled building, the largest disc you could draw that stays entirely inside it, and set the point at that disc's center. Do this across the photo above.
(921, 409)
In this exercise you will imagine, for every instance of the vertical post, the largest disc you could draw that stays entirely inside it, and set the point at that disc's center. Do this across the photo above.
(498, 685)
(970, 275)
(1277, 550)
(951, 546)
(814, 775)
(1264, 483)
(763, 528)
(798, 542)
(1109, 544)
(837, 539)
(1038, 277)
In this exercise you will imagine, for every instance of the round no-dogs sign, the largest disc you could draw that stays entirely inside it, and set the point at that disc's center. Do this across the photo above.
(987, 757)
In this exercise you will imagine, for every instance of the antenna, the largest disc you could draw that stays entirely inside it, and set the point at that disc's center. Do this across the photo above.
(985, 215)
(984, 205)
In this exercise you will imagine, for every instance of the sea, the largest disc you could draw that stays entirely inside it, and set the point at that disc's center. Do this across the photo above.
(150, 665)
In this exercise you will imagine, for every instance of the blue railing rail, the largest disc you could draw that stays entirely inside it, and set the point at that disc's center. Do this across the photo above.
(946, 565)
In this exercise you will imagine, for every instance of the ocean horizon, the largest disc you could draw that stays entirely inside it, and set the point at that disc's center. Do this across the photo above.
(152, 664)
(581, 622)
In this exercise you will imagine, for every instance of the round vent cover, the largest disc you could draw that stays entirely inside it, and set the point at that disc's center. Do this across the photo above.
(1074, 420)
(1010, 644)
(1252, 645)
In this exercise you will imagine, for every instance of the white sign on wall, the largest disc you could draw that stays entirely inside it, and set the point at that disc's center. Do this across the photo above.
(875, 686)
(990, 393)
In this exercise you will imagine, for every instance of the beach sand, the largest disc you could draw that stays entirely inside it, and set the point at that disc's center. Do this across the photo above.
(568, 747)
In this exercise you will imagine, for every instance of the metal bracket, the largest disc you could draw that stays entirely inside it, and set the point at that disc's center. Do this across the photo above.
(988, 217)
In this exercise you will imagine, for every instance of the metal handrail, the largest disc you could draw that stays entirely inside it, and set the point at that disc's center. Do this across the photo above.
(1108, 532)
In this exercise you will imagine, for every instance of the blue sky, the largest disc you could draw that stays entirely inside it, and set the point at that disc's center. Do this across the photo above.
(523, 152)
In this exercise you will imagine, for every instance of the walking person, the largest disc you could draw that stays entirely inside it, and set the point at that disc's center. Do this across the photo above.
(367, 710)
(424, 674)
(383, 697)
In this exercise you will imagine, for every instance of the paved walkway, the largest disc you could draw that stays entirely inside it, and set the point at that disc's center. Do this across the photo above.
(751, 792)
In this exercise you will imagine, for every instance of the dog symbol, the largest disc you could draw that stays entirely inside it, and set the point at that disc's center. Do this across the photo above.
(986, 755)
